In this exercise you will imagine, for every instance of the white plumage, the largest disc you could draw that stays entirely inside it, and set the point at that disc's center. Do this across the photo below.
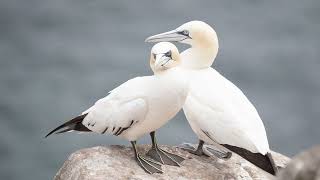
(140, 106)
(217, 106)
(214, 104)
(217, 110)
(147, 102)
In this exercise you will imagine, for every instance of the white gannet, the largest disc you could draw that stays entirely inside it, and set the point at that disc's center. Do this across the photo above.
(139, 106)
(217, 110)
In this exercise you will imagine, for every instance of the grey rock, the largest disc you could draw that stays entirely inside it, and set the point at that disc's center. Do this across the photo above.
(117, 162)
(304, 166)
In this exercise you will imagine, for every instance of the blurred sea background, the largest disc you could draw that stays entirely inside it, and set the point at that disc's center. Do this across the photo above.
(58, 57)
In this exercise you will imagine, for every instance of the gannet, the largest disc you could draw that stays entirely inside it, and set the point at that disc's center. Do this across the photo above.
(139, 106)
(217, 110)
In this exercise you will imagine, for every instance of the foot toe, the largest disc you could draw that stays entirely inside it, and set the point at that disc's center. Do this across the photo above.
(170, 158)
(187, 147)
(216, 153)
(149, 165)
(152, 153)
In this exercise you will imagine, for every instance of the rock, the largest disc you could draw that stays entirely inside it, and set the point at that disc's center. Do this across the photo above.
(304, 166)
(117, 162)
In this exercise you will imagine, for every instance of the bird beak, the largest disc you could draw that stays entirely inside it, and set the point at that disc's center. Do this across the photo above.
(172, 36)
(161, 61)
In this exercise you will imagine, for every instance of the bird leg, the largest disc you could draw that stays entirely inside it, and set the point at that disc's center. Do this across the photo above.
(147, 164)
(161, 155)
(205, 151)
(209, 151)
(191, 149)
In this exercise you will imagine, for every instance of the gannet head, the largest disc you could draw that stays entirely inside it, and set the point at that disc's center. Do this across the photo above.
(163, 56)
(202, 38)
(194, 33)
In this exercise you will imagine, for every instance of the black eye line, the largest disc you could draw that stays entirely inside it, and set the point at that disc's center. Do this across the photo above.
(184, 32)
(168, 54)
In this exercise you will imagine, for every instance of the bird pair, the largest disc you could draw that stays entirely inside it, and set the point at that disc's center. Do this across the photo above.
(217, 110)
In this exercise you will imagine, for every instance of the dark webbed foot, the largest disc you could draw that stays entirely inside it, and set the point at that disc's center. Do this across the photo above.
(163, 156)
(217, 153)
(147, 164)
(205, 151)
(191, 149)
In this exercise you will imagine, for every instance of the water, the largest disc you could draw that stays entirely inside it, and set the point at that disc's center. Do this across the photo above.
(58, 57)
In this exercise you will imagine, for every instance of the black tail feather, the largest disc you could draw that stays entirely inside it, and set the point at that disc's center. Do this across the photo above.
(274, 166)
(64, 130)
(264, 162)
(73, 124)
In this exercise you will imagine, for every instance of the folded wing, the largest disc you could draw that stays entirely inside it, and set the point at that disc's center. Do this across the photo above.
(227, 115)
(120, 110)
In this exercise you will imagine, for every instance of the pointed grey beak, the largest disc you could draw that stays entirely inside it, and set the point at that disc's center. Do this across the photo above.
(173, 36)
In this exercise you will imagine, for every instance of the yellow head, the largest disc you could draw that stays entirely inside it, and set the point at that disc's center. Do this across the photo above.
(202, 38)
(163, 56)
(194, 33)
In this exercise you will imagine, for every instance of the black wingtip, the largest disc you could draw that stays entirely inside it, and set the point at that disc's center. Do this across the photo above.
(265, 162)
(73, 124)
(51, 132)
(273, 163)
(56, 129)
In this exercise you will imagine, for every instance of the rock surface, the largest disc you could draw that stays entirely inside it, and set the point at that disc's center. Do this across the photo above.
(304, 166)
(117, 162)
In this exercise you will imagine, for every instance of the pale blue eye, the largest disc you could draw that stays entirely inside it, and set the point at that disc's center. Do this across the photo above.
(185, 32)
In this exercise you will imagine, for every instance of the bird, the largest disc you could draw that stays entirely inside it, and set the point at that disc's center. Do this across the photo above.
(139, 106)
(217, 110)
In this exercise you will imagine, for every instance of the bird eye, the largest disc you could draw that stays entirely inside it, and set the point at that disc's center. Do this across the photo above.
(185, 32)
(154, 56)
(168, 54)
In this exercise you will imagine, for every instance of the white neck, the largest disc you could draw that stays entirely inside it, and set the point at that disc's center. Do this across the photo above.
(198, 57)
(175, 75)
(167, 72)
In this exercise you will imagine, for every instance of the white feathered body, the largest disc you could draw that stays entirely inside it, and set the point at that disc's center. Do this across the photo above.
(216, 106)
(143, 104)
